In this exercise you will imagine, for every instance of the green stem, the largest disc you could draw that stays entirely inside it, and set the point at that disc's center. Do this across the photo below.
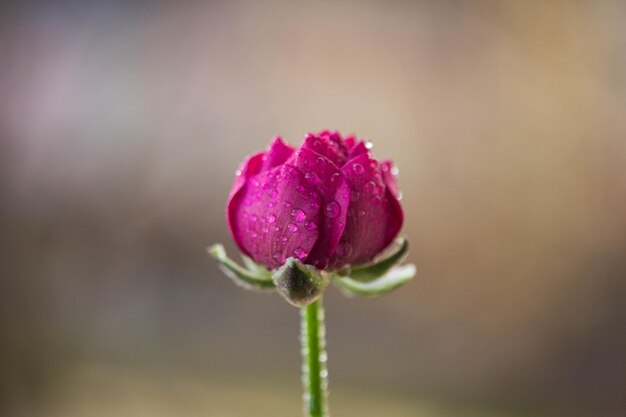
(314, 373)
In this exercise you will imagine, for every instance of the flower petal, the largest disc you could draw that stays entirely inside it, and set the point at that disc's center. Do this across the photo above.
(374, 218)
(389, 178)
(323, 145)
(277, 154)
(358, 149)
(261, 216)
(322, 173)
(249, 168)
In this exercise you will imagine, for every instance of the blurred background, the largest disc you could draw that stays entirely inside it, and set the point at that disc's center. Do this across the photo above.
(121, 126)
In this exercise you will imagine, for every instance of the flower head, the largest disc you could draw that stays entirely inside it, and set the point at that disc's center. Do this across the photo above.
(328, 203)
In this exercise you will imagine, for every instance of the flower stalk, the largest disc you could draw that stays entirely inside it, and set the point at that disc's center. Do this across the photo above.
(314, 372)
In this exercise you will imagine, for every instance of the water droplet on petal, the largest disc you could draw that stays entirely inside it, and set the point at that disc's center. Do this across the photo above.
(273, 194)
(384, 167)
(321, 264)
(300, 253)
(278, 257)
(292, 227)
(298, 215)
(287, 204)
(253, 234)
(370, 186)
(238, 172)
(334, 179)
(284, 238)
(395, 171)
(300, 188)
(375, 200)
(368, 144)
(344, 250)
(332, 209)
(357, 168)
(314, 206)
(310, 226)
(362, 213)
(354, 196)
(320, 161)
(271, 218)
(253, 218)
(312, 178)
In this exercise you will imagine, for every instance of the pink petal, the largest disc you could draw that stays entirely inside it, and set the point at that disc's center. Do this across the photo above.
(322, 173)
(389, 178)
(277, 154)
(323, 145)
(358, 149)
(374, 217)
(249, 168)
(262, 216)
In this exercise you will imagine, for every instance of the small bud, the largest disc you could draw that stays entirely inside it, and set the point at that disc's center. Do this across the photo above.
(299, 284)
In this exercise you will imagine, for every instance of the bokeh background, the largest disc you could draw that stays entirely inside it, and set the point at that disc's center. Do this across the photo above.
(121, 125)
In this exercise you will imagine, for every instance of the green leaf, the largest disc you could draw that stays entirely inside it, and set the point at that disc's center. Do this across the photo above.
(391, 280)
(252, 280)
(256, 268)
(379, 268)
(299, 284)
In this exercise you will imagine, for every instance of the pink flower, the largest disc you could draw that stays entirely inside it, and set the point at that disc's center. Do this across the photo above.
(328, 203)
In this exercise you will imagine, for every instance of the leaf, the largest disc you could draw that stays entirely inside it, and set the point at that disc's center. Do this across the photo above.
(391, 280)
(256, 268)
(379, 268)
(252, 280)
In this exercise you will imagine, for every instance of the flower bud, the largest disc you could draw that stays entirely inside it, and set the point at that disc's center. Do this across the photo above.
(328, 204)
(299, 284)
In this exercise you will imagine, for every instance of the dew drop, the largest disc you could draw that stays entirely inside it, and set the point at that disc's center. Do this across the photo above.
(253, 218)
(384, 167)
(300, 253)
(273, 194)
(300, 188)
(298, 215)
(312, 178)
(320, 161)
(357, 168)
(362, 213)
(332, 209)
(310, 226)
(284, 238)
(370, 186)
(271, 218)
(321, 264)
(292, 227)
(253, 234)
(314, 206)
(354, 196)
(238, 172)
(395, 171)
(278, 257)
(334, 179)
(345, 249)
(287, 204)
(368, 144)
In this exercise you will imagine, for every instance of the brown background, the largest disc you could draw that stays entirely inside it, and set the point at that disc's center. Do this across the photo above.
(120, 130)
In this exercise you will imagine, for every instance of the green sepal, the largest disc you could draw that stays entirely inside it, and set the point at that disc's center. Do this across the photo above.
(391, 280)
(256, 268)
(251, 280)
(374, 270)
(298, 283)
